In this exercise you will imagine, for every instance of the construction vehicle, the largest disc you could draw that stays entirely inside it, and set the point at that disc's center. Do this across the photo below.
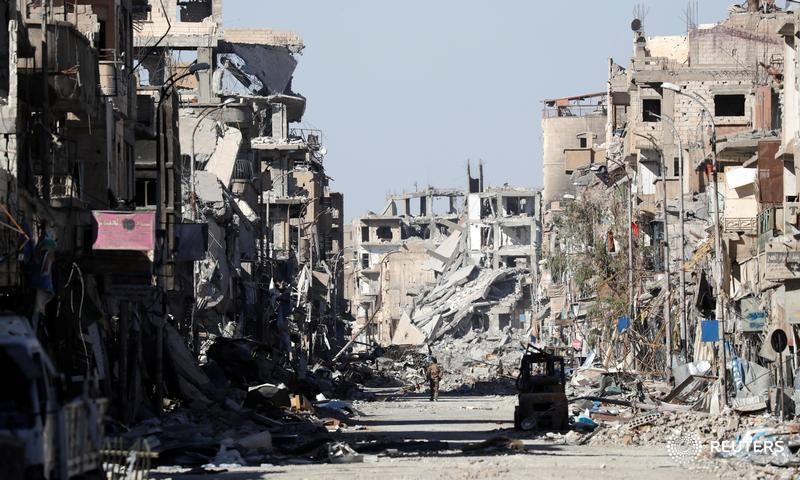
(50, 437)
(541, 386)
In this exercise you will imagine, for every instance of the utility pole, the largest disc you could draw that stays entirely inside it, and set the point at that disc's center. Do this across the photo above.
(718, 252)
(631, 287)
(681, 247)
(629, 193)
(665, 250)
(720, 303)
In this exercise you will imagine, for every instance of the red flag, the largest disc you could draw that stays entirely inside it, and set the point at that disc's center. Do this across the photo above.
(635, 228)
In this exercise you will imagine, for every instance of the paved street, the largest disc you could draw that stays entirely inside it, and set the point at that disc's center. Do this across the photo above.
(460, 421)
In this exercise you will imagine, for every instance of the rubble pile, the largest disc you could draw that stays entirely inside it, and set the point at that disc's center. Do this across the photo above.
(477, 362)
(451, 306)
(656, 427)
(225, 437)
(610, 407)
(244, 406)
(378, 376)
(480, 361)
(248, 425)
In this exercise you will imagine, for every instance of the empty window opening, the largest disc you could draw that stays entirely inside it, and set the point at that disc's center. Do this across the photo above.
(512, 206)
(504, 320)
(441, 206)
(145, 192)
(511, 262)
(101, 35)
(478, 322)
(141, 13)
(651, 110)
(676, 167)
(729, 105)
(365, 260)
(365, 234)
(486, 237)
(193, 10)
(384, 234)
(582, 142)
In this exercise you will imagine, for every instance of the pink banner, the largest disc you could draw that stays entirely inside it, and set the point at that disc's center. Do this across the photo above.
(125, 231)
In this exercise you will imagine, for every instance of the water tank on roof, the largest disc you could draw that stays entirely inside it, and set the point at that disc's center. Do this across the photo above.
(108, 78)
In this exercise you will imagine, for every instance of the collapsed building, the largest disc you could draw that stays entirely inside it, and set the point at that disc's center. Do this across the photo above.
(394, 251)
(418, 277)
(271, 225)
(157, 197)
(694, 182)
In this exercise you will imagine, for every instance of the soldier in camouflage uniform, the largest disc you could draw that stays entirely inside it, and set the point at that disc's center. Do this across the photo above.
(434, 374)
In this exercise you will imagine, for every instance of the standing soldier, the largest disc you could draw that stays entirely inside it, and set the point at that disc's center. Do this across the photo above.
(434, 375)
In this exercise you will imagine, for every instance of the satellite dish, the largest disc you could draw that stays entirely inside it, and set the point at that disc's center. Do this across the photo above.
(636, 25)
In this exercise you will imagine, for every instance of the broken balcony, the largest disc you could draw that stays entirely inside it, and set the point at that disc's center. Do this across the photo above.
(577, 106)
(250, 69)
(286, 145)
(72, 68)
(62, 191)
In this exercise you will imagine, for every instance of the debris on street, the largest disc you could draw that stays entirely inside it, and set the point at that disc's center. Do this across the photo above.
(181, 291)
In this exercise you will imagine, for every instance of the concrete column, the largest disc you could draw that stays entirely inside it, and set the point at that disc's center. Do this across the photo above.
(280, 121)
(495, 245)
(205, 92)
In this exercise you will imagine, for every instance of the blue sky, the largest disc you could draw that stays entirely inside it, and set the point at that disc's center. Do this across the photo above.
(406, 92)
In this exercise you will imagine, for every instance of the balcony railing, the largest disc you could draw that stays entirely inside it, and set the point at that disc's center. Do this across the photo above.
(312, 137)
(59, 188)
(244, 169)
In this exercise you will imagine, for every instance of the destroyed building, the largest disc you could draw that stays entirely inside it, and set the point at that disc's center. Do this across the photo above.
(159, 195)
(472, 266)
(694, 182)
(274, 235)
(397, 255)
(570, 126)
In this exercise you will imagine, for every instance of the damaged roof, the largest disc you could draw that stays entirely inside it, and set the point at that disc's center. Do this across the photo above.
(266, 37)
